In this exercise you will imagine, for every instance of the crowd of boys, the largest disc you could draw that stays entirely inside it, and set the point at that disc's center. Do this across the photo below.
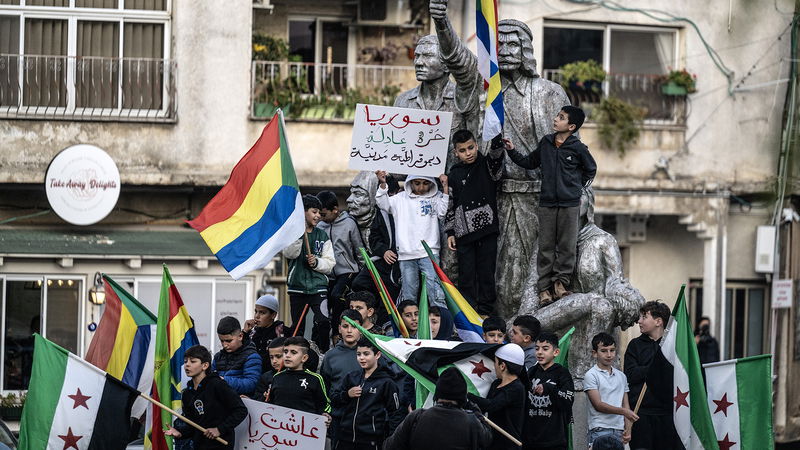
(368, 401)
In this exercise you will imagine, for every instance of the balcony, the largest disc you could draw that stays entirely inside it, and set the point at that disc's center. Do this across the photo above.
(641, 90)
(87, 88)
(310, 91)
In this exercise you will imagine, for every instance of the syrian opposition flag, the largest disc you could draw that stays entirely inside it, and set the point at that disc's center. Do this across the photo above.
(425, 359)
(740, 401)
(73, 404)
(691, 416)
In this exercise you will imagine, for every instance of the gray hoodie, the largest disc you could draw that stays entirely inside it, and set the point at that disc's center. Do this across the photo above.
(346, 239)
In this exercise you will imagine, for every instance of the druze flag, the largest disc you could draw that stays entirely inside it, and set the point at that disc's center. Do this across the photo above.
(740, 401)
(690, 413)
(73, 404)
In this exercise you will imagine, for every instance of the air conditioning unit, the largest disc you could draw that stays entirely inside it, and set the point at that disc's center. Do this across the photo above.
(384, 12)
(765, 249)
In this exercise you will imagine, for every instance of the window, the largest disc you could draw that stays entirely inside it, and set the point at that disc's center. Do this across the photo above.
(322, 42)
(47, 305)
(633, 57)
(746, 307)
(76, 63)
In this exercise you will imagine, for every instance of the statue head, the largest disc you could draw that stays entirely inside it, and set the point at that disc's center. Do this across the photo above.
(428, 63)
(515, 48)
(587, 205)
(361, 202)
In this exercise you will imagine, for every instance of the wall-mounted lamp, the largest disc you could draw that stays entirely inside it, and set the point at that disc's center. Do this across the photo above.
(97, 293)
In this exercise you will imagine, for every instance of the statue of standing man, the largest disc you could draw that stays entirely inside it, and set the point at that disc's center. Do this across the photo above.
(531, 103)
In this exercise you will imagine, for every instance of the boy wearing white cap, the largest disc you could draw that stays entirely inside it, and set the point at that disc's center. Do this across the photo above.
(505, 402)
(416, 212)
(263, 327)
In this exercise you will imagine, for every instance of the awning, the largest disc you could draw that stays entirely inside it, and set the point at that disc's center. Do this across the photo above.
(137, 243)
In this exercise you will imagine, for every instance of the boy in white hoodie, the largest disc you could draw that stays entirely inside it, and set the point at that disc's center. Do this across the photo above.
(416, 212)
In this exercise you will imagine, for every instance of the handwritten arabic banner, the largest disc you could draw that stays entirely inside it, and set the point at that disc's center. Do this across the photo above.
(400, 140)
(272, 427)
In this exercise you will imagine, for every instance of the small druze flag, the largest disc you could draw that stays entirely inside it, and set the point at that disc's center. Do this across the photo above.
(73, 405)
(740, 401)
(690, 413)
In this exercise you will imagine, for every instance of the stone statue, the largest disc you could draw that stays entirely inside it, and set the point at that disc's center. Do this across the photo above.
(361, 202)
(531, 103)
(604, 299)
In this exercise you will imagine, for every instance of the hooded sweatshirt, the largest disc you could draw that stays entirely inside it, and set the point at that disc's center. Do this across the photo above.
(416, 217)
(346, 238)
(211, 404)
(372, 416)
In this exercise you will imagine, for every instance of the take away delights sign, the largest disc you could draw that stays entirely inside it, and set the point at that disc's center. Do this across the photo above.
(400, 140)
(82, 184)
(273, 427)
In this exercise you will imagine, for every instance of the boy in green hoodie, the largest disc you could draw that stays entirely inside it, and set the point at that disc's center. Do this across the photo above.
(310, 259)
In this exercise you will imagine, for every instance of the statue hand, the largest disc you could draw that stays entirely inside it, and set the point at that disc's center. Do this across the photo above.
(438, 9)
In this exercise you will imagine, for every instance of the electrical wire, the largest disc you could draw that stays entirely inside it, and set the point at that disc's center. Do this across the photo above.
(26, 216)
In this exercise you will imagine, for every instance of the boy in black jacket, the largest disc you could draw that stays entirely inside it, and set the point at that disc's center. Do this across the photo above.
(263, 328)
(275, 359)
(549, 399)
(644, 363)
(296, 387)
(567, 167)
(369, 401)
(471, 222)
(209, 402)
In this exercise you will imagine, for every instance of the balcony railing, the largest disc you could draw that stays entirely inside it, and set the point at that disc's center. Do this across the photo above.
(641, 90)
(324, 91)
(87, 88)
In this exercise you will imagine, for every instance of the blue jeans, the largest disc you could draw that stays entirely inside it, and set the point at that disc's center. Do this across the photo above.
(595, 433)
(409, 274)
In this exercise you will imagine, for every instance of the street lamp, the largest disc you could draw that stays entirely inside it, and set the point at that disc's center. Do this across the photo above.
(97, 293)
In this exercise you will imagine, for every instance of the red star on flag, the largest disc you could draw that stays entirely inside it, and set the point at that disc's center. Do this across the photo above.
(79, 399)
(725, 443)
(413, 345)
(479, 369)
(680, 398)
(70, 440)
(722, 404)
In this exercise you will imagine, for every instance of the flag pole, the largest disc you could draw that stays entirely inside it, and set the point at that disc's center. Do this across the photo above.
(174, 413)
(502, 431)
(302, 318)
(629, 425)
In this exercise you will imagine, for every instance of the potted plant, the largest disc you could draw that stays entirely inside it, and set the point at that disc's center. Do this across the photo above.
(678, 82)
(268, 48)
(584, 75)
(617, 123)
(11, 406)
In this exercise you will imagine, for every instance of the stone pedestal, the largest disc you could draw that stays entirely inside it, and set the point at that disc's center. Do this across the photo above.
(580, 418)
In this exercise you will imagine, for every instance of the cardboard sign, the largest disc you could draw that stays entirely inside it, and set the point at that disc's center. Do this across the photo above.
(400, 140)
(272, 427)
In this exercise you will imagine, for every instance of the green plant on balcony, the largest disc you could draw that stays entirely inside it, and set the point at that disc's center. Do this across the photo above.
(269, 48)
(678, 82)
(586, 75)
(618, 123)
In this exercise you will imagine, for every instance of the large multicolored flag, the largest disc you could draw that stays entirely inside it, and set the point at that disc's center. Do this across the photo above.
(740, 401)
(691, 415)
(486, 31)
(73, 404)
(469, 325)
(175, 334)
(124, 342)
(259, 210)
(425, 359)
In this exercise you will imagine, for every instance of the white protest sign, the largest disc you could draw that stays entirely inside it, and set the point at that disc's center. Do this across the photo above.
(400, 140)
(272, 427)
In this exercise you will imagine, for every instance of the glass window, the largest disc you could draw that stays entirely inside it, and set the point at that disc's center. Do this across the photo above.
(45, 67)
(143, 66)
(583, 45)
(23, 316)
(755, 322)
(9, 60)
(642, 52)
(230, 300)
(97, 66)
(63, 310)
(746, 319)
